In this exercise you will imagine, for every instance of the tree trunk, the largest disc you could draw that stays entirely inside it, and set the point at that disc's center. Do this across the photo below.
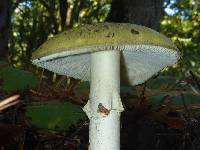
(5, 20)
(63, 13)
(142, 12)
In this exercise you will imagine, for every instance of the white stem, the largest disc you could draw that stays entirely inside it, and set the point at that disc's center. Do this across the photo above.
(104, 106)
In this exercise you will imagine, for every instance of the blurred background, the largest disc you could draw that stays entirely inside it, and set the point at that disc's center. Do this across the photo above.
(161, 114)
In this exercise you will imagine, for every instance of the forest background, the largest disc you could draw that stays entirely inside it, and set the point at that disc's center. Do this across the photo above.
(26, 24)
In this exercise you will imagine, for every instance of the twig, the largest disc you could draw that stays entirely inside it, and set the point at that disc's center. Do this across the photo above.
(40, 80)
(185, 106)
(143, 92)
(60, 81)
(13, 100)
(195, 79)
(9, 105)
(38, 94)
(69, 88)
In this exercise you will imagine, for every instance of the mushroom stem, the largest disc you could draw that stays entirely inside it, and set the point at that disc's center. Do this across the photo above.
(104, 107)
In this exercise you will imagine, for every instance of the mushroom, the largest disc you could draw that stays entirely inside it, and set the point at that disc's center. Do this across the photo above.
(101, 53)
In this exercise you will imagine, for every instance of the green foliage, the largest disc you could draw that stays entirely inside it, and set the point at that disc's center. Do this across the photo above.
(34, 21)
(54, 115)
(13, 79)
(166, 92)
(91, 11)
(174, 94)
(177, 100)
(31, 26)
(166, 82)
(184, 29)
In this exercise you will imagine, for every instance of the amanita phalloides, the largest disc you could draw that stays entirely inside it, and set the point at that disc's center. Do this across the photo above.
(101, 53)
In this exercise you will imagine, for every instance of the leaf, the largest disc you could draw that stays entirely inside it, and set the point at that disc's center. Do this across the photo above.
(54, 115)
(13, 79)
(177, 100)
(156, 99)
(161, 83)
(188, 98)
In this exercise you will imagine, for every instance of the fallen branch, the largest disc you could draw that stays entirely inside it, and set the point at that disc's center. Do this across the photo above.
(8, 102)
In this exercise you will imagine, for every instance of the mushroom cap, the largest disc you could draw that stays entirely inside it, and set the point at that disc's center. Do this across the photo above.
(144, 52)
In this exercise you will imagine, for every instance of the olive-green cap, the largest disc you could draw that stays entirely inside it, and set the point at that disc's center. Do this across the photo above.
(144, 52)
